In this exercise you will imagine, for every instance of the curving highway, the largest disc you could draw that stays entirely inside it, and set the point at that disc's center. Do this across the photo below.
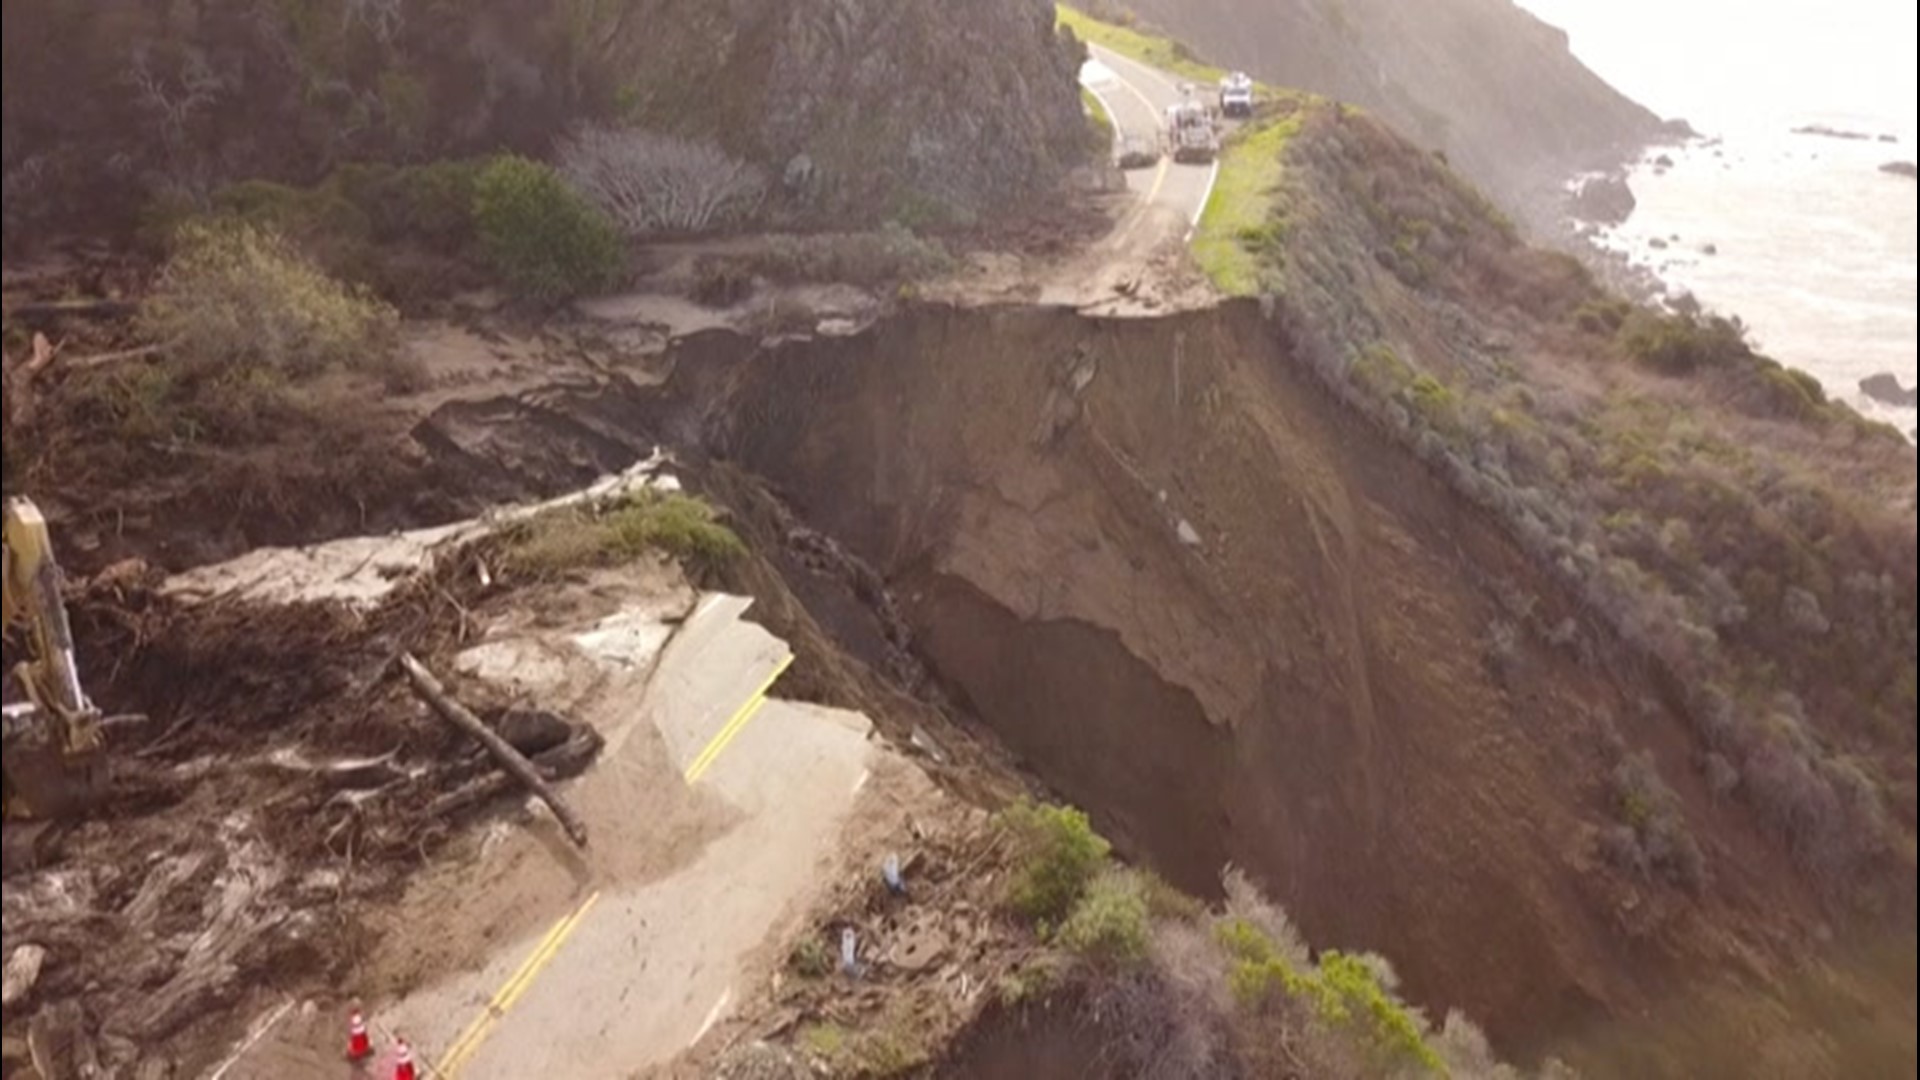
(1136, 96)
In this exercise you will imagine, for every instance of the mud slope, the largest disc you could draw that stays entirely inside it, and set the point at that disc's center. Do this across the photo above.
(1198, 598)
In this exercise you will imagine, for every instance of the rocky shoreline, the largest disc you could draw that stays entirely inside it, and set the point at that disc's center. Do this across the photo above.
(1592, 206)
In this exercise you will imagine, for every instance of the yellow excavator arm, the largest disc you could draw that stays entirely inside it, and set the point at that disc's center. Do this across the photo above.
(53, 736)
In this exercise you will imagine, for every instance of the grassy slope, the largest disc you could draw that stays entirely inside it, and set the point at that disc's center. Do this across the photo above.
(1241, 224)
(1156, 51)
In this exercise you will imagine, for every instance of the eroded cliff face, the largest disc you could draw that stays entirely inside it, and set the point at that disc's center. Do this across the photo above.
(1496, 89)
(1197, 597)
(911, 109)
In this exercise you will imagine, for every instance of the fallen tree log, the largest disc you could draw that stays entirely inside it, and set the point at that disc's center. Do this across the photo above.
(570, 758)
(435, 695)
(55, 310)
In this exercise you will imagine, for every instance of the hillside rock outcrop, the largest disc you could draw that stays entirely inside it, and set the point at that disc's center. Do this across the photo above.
(1885, 388)
(911, 109)
(1606, 200)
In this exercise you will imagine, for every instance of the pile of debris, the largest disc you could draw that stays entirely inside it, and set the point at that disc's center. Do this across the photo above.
(910, 950)
(300, 762)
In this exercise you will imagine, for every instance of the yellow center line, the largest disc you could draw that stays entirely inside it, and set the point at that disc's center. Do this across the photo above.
(734, 725)
(510, 992)
(1159, 180)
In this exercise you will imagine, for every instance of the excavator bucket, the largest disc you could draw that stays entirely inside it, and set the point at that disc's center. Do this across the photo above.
(44, 780)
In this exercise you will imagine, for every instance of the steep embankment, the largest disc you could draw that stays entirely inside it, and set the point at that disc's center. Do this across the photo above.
(1199, 597)
(1493, 87)
(1561, 651)
(914, 109)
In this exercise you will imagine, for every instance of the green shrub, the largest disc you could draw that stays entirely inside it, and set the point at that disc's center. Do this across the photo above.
(892, 1047)
(1343, 990)
(1058, 856)
(1653, 837)
(1164, 901)
(1787, 393)
(431, 204)
(1380, 371)
(296, 212)
(682, 526)
(1602, 317)
(1033, 981)
(542, 237)
(1684, 344)
(438, 199)
(1356, 995)
(323, 223)
(1109, 923)
(236, 296)
(1435, 402)
(810, 958)
(646, 521)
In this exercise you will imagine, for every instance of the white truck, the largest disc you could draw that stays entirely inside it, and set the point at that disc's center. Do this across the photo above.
(1191, 137)
(1236, 95)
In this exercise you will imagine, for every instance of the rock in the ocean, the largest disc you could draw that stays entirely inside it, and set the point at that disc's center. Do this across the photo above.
(1604, 199)
(1827, 132)
(1885, 388)
(1899, 168)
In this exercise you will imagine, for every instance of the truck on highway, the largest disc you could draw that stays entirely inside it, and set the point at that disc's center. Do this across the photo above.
(1191, 135)
(1236, 95)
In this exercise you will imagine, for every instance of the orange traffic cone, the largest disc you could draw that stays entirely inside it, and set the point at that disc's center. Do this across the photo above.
(402, 1060)
(359, 1046)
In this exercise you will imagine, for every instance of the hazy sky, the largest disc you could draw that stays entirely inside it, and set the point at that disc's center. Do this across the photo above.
(1725, 63)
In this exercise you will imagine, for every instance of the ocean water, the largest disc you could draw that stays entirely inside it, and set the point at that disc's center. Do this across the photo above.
(1814, 245)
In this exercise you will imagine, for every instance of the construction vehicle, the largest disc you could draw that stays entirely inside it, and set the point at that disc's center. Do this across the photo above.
(1191, 137)
(1138, 153)
(52, 732)
(1236, 96)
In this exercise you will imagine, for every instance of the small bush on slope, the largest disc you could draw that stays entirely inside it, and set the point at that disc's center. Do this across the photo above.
(1109, 923)
(542, 237)
(236, 298)
(1058, 857)
(569, 539)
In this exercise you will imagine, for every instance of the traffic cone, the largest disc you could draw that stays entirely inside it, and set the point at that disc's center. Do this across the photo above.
(403, 1060)
(359, 1046)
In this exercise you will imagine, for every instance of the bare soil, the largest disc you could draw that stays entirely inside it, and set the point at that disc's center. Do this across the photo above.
(1196, 596)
